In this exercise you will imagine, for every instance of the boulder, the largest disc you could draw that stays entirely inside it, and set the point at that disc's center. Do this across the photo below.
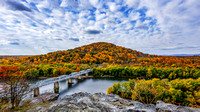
(101, 102)
(44, 97)
(166, 107)
(98, 102)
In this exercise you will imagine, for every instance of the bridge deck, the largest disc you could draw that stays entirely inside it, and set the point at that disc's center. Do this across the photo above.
(58, 79)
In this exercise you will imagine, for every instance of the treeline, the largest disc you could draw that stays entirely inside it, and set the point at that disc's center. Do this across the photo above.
(169, 61)
(102, 52)
(147, 72)
(179, 91)
(54, 70)
(93, 53)
(43, 70)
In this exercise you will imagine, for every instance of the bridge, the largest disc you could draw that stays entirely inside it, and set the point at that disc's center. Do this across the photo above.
(68, 77)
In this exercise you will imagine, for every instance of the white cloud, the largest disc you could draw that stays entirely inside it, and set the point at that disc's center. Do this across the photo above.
(152, 26)
(113, 7)
(132, 3)
(94, 2)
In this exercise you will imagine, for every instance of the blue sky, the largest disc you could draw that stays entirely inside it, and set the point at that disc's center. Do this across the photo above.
(29, 27)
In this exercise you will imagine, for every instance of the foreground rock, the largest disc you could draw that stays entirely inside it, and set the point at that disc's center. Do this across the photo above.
(100, 102)
(44, 98)
(166, 107)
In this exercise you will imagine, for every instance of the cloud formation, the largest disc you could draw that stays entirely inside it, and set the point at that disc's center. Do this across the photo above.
(177, 48)
(142, 27)
(13, 5)
(151, 26)
(93, 32)
(74, 39)
(14, 43)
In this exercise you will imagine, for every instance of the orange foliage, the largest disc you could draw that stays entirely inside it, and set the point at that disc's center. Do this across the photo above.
(101, 52)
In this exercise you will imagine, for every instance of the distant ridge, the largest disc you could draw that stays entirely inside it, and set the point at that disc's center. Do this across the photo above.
(13, 56)
(93, 53)
(103, 52)
(183, 55)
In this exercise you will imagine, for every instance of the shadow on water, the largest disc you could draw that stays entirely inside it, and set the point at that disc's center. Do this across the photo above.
(71, 86)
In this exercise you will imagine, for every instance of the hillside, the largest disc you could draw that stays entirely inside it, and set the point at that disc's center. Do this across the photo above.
(100, 52)
(93, 53)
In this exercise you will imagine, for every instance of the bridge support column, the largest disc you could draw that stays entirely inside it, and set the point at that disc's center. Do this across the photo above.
(86, 75)
(69, 81)
(36, 92)
(79, 77)
(56, 87)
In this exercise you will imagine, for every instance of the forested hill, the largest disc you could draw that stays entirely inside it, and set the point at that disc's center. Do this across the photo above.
(93, 53)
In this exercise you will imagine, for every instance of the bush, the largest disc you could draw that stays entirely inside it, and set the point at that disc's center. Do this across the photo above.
(180, 91)
(116, 88)
(110, 90)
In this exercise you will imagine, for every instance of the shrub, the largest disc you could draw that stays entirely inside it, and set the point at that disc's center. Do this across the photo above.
(110, 90)
(179, 91)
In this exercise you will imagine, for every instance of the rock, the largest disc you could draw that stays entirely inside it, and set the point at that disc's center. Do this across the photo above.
(162, 107)
(166, 107)
(100, 102)
(187, 109)
(44, 97)
(37, 109)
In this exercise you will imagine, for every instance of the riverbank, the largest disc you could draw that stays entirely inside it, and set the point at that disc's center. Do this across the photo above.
(98, 102)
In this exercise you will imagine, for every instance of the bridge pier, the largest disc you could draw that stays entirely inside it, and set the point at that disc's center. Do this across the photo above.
(79, 77)
(70, 81)
(56, 87)
(86, 75)
(36, 92)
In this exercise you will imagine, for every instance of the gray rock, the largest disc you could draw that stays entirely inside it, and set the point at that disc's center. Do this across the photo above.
(166, 107)
(100, 102)
(37, 109)
(44, 97)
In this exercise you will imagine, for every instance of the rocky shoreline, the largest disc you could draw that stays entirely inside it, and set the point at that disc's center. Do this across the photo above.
(100, 102)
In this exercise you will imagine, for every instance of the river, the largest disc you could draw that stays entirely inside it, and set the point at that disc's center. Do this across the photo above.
(91, 85)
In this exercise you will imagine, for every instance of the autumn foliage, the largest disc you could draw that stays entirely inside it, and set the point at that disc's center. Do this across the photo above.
(101, 52)
(93, 53)
(179, 91)
(8, 71)
(13, 85)
(147, 72)
(109, 59)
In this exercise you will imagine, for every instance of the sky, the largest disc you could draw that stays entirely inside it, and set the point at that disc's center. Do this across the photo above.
(162, 27)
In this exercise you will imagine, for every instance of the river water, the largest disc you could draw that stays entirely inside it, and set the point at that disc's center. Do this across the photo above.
(91, 85)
